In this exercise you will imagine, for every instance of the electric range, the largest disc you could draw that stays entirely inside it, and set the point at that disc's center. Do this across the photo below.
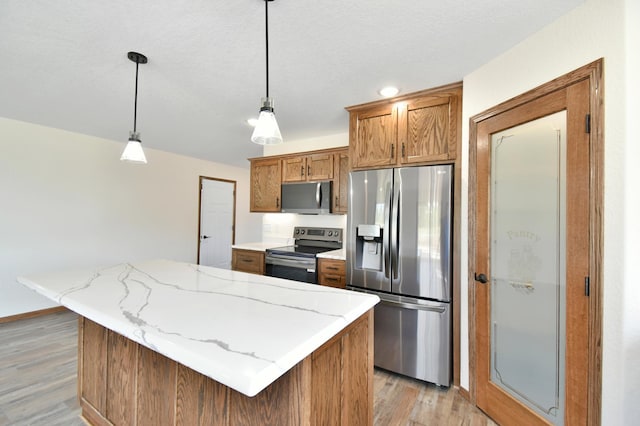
(298, 261)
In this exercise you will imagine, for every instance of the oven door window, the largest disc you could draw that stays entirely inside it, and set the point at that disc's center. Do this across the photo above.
(291, 273)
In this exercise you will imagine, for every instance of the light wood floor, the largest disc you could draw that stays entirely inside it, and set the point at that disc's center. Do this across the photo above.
(38, 361)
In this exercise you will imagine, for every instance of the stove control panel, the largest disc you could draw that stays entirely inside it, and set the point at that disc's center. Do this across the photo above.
(318, 234)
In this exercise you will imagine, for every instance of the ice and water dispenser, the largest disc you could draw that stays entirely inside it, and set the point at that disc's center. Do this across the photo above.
(369, 247)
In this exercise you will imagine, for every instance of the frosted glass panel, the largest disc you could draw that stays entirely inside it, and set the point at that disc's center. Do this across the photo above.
(527, 263)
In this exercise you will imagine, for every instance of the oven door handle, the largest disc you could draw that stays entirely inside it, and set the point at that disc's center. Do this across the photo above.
(274, 259)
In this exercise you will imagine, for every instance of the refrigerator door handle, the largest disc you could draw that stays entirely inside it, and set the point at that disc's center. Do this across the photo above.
(395, 228)
(385, 230)
(437, 309)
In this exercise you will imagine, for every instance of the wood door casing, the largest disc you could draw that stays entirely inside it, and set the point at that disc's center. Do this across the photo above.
(580, 93)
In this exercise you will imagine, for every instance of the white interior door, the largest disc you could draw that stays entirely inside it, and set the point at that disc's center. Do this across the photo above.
(217, 222)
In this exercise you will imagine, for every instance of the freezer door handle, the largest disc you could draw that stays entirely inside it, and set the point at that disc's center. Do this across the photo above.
(385, 233)
(395, 230)
(438, 309)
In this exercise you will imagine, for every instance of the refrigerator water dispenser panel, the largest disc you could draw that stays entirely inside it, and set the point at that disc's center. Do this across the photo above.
(369, 247)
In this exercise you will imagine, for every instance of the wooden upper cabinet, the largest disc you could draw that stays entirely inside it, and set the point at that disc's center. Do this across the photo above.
(425, 131)
(266, 177)
(268, 174)
(419, 128)
(307, 168)
(341, 181)
(373, 136)
(294, 169)
(320, 167)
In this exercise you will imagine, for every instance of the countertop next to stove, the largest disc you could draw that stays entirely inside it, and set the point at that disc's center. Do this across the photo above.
(260, 246)
(242, 330)
(339, 254)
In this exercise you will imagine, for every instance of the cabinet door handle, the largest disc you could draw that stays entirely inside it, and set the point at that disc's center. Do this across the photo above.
(332, 268)
(277, 201)
(392, 150)
(337, 201)
(247, 260)
(308, 170)
(403, 154)
(301, 171)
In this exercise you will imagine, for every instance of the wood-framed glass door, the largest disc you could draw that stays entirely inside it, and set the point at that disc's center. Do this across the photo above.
(532, 259)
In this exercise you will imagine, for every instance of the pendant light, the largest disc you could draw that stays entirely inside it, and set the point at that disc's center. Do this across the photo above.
(133, 151)
(266, 131)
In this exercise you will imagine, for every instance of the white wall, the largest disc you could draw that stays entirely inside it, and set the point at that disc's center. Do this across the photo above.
(593, 30)
(67, 201)
(630, 368)
(311, 144)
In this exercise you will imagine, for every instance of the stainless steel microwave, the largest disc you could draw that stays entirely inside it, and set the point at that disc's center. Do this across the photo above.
(306, 198)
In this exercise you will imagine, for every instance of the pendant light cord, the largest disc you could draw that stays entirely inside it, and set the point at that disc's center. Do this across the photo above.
(266, 25)
(135, 102)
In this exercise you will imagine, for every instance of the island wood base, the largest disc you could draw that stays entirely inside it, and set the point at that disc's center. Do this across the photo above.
(122, 382)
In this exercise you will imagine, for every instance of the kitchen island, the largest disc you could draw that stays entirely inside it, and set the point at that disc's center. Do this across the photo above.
(164, 342)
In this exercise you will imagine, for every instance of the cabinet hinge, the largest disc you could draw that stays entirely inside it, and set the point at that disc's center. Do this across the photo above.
(587, 123)
(587, 286)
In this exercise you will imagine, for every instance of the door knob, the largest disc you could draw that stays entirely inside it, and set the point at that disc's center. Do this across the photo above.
(204, 237)
(481, 278)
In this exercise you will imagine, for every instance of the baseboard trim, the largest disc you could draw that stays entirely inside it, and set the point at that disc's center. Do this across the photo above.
(464, 393)
(32, 314)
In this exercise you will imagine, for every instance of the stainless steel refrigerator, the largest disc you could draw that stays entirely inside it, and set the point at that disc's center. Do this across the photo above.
(399, 248)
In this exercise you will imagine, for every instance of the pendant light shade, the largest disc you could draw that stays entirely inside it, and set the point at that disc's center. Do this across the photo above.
(133, 151)
(266, 131)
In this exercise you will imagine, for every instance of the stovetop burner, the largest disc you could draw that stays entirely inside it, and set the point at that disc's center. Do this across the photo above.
(301, 250)
(311, 241)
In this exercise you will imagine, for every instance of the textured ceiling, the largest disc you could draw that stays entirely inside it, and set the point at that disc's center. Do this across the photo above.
(63, 63)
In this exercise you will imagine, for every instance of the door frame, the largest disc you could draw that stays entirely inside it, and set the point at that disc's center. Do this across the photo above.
(594, 73)
(233, 230)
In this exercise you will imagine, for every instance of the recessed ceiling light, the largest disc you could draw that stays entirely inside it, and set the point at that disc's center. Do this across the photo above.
(388, 91)
(252, 122)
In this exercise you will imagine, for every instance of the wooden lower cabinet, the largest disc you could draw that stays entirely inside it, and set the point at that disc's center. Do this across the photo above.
(251, 261)
(122, 382)
(332, 272)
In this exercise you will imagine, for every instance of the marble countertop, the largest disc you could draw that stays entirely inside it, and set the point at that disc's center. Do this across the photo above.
(242, 330)
(340, 254)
